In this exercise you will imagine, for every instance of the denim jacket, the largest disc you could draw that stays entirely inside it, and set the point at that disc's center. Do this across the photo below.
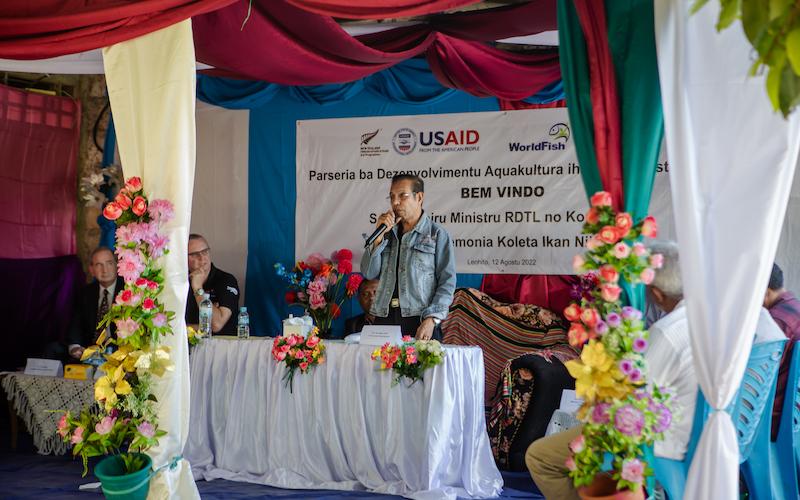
(427, 270)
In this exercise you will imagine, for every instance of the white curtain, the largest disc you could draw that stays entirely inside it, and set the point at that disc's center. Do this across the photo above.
(733, 159)
(151, 85)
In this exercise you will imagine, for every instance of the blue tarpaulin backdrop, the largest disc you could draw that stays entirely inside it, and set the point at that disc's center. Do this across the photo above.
(408, 88)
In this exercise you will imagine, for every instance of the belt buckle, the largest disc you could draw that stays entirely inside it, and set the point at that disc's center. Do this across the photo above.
(395, 303)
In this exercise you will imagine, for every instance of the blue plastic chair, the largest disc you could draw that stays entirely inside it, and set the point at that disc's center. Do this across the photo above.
(787, 448)
(751, 412)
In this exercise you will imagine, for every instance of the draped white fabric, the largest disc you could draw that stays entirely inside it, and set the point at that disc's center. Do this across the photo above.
(151, 85)
(733, 159)
(344, 427)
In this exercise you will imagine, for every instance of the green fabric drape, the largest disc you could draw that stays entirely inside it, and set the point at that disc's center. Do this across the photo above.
(631, 39)
(575, 75)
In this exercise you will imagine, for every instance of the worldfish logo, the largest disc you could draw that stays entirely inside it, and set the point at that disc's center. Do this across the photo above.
(559, 131)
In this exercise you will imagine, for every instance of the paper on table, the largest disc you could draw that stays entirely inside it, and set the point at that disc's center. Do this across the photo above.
(570, 402)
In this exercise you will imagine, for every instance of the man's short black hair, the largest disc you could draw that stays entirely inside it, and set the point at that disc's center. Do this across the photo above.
(776, 278)
(418, 185)
(195, 236)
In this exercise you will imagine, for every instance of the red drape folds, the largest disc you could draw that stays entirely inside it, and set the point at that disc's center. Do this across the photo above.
(283, 44)
(39, 136)
(484, 71)
(50, 28)
(378, 9)
(553, 292)
(605, 101)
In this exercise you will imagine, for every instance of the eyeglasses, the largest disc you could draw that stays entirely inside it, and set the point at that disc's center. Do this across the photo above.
(400, 196)
(201, 253)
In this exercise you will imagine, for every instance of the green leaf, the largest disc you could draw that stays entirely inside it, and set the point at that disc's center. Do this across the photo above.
(777, 8)
(728, 14)
(774, 84)
(793, 49)
(697, 5)
(755, 20)
(789, 92)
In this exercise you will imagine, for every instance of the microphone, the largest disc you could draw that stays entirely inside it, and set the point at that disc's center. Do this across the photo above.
(377, 232)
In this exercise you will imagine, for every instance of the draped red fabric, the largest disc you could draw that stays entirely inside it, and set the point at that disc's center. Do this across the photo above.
(605, 101)
(38, 186)
(50, 28)
(550, 291)
(283, 44)
(485, 71)
(378, 9)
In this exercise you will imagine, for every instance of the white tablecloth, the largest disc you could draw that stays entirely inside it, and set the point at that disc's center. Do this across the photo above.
(345, 426)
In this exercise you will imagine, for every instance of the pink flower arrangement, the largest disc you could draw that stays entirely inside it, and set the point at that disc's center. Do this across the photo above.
(140, 318)
(298, 352)
(410, 359)
(621, 414)
(320, 285)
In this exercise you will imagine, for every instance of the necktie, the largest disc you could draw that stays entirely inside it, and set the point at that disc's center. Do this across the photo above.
(101, 312)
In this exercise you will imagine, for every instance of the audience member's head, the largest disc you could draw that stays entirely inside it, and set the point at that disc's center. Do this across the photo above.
(366, 293)
(199, 255)
(774, 287)
(667, 286)
(103, 266)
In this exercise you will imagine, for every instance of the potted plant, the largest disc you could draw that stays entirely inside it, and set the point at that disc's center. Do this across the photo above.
(621, 414)
(123, 422)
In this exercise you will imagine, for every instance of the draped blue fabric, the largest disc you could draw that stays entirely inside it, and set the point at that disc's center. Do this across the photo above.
(107, 227)
(408, 88)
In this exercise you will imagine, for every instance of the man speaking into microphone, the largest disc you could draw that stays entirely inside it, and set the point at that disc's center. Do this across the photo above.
(414, 260)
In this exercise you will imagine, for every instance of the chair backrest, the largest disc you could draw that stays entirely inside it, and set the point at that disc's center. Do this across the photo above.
(789, 429)
(756, 394)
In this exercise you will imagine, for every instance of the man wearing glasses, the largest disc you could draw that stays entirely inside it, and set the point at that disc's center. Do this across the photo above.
(222, 288)
(415, 262)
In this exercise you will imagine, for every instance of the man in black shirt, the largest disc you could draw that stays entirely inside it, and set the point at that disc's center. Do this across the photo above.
(366, 294)
(222, 288)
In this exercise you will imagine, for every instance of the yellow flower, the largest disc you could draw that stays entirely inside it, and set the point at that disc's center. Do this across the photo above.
(106, 390)
(596, 374)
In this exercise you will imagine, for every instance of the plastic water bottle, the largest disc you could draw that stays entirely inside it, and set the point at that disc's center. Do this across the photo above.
(205, 316)
(243, 327)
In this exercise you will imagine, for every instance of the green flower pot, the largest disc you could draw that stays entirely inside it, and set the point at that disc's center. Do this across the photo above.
(117, 484)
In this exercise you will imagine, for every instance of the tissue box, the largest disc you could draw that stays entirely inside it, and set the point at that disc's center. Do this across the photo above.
(297, 326)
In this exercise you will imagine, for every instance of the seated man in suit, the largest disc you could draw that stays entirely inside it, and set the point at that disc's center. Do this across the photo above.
(94, 300)
(366, 294)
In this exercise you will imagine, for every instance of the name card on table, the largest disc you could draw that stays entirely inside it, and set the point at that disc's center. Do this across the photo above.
(45, 367)
(570, 402)
(378, 335)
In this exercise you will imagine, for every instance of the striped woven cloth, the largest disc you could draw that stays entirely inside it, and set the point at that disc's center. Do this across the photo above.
(504, 332)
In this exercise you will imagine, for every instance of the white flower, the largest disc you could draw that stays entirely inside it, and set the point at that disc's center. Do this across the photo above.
(161, 354)
(96, 179)
(143, 362)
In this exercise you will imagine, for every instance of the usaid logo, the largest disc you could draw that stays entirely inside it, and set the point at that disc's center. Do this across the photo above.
(404, 141)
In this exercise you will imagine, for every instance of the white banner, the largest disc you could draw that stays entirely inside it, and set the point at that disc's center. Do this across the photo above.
(506, 185)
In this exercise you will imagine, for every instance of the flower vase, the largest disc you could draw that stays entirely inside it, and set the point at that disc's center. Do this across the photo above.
(324, 332)
(604, 487)
(120, 485)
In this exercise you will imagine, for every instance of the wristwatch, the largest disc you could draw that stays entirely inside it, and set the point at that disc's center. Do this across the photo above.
(436, 321)
(200, 292)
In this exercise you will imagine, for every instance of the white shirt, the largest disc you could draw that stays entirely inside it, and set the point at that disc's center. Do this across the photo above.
(766, 328)
(669, 358)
